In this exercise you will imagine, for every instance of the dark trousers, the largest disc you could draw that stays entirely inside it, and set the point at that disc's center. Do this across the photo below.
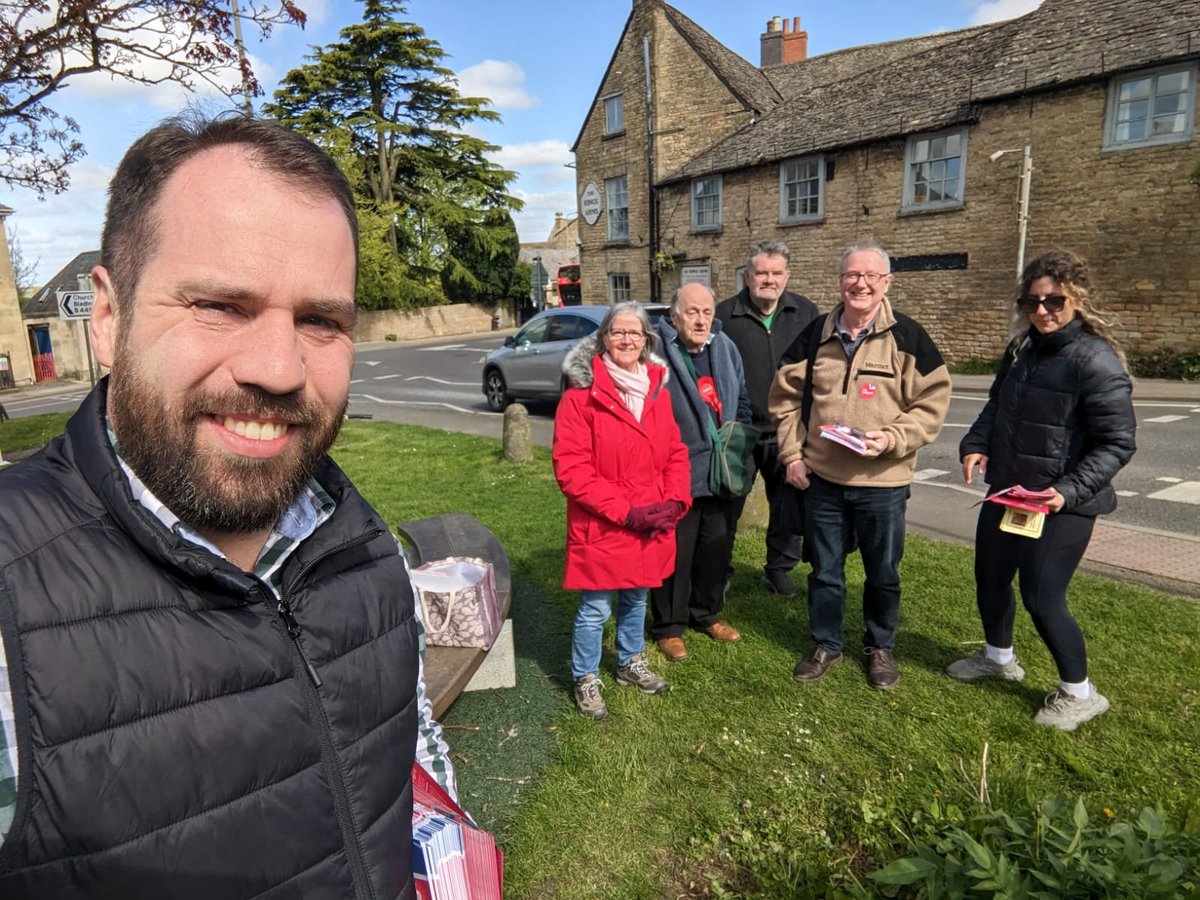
(695, 594)
(785, 525)
(836, 515)
(1044, 567)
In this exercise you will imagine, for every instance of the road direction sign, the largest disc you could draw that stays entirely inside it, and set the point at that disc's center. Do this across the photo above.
(75, 304)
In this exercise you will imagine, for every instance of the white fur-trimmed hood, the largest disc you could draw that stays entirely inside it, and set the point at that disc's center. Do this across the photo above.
(577, 365)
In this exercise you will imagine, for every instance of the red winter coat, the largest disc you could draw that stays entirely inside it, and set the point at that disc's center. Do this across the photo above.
(606, 462)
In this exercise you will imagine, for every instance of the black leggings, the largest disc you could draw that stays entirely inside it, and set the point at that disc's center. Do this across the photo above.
(1045, 567)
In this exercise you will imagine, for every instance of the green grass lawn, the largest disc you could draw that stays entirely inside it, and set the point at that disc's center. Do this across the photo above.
(740, 782)
(31, 431)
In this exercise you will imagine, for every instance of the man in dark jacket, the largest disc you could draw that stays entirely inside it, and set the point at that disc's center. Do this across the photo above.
(763, 320)
(707, 389)
(211, 643)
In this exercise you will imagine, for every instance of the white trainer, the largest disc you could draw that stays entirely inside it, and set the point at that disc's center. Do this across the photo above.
(980, 666)
(1067, 712)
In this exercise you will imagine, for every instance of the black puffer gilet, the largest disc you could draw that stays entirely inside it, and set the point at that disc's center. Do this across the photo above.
(172, 743)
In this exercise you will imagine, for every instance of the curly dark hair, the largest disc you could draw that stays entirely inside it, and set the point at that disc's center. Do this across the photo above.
(1071, 273)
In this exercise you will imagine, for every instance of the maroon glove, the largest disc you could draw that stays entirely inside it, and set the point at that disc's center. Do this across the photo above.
(663, 519)
(642, 518)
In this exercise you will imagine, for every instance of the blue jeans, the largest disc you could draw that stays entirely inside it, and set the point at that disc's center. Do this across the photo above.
(833, 515)
(594, 608)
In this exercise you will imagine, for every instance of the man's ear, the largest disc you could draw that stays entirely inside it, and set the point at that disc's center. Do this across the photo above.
(104, 316)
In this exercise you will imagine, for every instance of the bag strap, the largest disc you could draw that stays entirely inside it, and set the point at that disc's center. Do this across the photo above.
(429, 629)
(814, 342)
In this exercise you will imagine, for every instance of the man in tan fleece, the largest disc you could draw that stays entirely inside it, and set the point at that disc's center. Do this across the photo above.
(876, 371)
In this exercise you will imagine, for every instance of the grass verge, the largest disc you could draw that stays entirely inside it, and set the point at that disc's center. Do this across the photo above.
(31, 431)
(740, 782)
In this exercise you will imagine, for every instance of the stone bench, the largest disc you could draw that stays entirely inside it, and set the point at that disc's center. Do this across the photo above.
(449, 670)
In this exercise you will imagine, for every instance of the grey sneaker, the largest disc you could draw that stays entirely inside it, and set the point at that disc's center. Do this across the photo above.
(979, 666)
(637, 674)
(587, 697)
(1066, 713)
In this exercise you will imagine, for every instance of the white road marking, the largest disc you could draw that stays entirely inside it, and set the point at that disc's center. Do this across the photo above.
(1184, 492)
(1127, 493)
(442, 347)
(450, 406)
(386, 377)
(955, 425)
(357, 380)
(1169, 480)
(442, 381)
(369, 362)
(1166, 419)
(929, 474)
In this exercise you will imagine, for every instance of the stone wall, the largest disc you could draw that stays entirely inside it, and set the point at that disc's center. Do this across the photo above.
(430, 322)
(14, 339)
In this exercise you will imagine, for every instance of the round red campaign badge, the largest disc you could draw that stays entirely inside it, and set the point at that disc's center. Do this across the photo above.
(867, 391)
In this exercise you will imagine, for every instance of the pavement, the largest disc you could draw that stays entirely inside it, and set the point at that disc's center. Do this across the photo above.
(1167, 561)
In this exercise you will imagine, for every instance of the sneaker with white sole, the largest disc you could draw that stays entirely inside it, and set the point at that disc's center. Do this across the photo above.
(637, 674)
(981, 666)
(1067, 712)
(587, 697)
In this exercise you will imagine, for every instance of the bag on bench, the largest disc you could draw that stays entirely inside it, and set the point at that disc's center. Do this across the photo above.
(458, 601)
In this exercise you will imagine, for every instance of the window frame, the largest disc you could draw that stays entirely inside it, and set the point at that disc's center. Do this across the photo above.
(1113, 103)
(614, 290)
(619, 96)
(720, 195)
(785, 219)
(908, 201)
(610, 222)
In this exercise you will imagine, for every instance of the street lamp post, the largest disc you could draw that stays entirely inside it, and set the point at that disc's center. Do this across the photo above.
(1023, 199)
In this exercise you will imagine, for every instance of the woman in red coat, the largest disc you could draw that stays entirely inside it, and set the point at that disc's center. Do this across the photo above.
(624, 470)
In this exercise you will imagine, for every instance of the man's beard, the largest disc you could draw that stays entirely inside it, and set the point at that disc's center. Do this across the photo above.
(209, 489)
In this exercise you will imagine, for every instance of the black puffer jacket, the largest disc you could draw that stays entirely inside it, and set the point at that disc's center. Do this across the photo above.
(1059, 415)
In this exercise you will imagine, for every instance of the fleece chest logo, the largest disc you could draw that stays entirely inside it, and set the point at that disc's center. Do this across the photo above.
(868, 391)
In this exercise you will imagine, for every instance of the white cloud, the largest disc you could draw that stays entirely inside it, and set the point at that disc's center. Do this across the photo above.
(501, 82)
(998, 10)
(534, 221)
(538, 153)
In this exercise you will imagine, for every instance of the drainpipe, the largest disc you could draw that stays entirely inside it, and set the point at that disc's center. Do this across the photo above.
(651, 204)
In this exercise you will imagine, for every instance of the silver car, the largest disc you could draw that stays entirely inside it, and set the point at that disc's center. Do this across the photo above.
(529, 365)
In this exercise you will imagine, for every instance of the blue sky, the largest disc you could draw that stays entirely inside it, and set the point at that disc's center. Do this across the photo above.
(539, 61)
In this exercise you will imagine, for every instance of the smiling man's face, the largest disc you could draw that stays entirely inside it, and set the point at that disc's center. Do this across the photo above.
(231, 363)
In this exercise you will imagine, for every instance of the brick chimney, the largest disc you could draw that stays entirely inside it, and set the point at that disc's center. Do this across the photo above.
(795, 43)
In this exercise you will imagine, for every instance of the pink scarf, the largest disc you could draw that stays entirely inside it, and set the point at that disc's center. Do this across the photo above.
(633, 386)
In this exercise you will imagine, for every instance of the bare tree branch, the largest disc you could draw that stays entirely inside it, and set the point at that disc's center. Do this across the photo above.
(44, 45)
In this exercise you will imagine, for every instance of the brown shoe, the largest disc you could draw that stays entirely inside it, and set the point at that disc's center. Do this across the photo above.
(813, 669)
(672, 648)
(882, 673)
(719, 631)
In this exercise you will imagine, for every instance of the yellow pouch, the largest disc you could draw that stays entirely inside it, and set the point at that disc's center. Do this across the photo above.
(1023, 522)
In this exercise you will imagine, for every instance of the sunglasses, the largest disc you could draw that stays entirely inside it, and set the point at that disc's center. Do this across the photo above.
(1053, 303)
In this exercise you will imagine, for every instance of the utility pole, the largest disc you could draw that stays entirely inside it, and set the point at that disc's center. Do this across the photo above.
(241, 55)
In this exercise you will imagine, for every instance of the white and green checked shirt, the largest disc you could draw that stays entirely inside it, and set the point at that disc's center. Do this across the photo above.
(298, 522)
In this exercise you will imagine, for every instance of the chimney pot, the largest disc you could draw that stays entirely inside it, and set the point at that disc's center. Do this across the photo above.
(794, 43)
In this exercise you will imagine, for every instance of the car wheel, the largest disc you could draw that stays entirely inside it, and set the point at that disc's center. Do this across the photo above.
(496, 392)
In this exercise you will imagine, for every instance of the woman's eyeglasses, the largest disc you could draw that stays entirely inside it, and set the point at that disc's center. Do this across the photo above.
(1053, 303)
(627, 335)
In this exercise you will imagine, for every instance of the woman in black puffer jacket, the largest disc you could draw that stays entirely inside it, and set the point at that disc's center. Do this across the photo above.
(1059, 417)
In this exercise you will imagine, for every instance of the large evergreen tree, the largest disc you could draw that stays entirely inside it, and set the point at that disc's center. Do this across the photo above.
(381, 95)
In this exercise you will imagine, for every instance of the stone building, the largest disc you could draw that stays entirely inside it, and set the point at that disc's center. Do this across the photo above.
(16, 364)
(60, 346)
(690, 153)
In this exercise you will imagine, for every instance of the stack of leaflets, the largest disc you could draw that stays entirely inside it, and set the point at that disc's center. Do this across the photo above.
(1022, 498)
(853, 438)
(452, 858)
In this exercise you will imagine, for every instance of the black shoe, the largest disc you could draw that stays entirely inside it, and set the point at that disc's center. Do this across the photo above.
(813, 669)
(777, 582)
(882, 673)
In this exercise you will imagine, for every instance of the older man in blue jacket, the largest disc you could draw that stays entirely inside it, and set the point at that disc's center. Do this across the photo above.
(708, 388)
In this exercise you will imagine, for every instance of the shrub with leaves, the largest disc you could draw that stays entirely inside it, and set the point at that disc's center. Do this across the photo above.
(1058, 851)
